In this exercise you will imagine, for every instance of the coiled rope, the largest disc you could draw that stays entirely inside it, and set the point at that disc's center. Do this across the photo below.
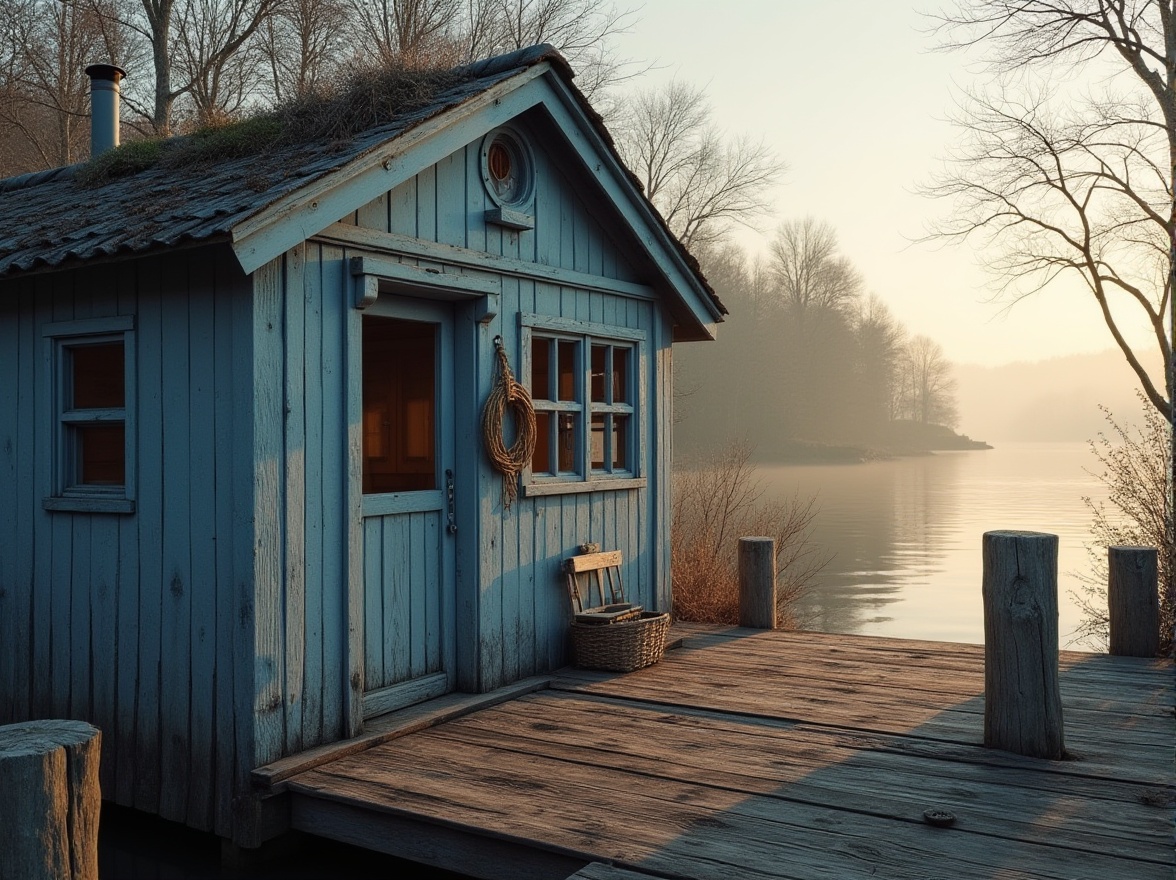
(507, 391)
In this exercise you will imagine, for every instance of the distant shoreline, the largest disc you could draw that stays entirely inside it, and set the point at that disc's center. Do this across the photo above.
(903, 441)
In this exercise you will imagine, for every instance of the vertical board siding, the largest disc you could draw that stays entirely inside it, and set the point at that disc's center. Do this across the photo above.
(202, 576)
(269, 484)
(294, 588)
(340, 465)
(175, 754)
(512, 602)
(310, 295)
(149, 518)
(303, 462)
(127, 600)
(120, 618)
(13, 584)
(403, 628)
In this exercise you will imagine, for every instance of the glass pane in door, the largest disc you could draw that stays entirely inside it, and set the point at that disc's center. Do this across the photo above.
(399, 405)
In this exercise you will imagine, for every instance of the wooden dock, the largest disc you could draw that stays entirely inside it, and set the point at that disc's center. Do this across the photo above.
(766, 754)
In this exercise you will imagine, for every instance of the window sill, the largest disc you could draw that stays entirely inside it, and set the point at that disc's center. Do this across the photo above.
(92, 504)
(568, 487)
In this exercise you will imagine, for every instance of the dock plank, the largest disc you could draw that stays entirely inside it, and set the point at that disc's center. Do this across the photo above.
(680, 827)
(783, 755)
(803, 765)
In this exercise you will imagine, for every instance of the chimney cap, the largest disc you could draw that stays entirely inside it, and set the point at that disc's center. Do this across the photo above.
(109, 72)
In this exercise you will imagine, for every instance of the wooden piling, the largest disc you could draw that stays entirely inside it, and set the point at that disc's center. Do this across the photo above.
(49, 800)
(1022, 701)
(757, 582)
(1133, 601)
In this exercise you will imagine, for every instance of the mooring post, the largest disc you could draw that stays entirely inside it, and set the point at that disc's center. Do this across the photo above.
(49, 800)
(1133, 600)
(757, 582)
(1022, 702)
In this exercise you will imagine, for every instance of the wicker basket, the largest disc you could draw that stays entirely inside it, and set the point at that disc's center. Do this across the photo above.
(621, 646)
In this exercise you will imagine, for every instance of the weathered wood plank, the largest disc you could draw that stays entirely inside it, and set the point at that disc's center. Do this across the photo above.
(176, 586)
(938, 656)
(297, 469)
(202, 579)
(316, 451)
(229, 288)
(342, 510)
(679, 827)
(816, 767)
(373, 556)
(698, 790)
(447, 848)
(240, 329)
(418, 587)
(104, 645)
(671, 682)
(437, 622)
(405, 693)
(411, 719)
(149, 518)
(28, 535)
(77, 636)
(269, 488)
(11, 592)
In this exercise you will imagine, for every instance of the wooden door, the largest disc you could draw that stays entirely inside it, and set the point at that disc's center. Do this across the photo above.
(408, 531)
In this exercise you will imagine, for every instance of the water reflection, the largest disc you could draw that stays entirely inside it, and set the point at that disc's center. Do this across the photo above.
(906, 534)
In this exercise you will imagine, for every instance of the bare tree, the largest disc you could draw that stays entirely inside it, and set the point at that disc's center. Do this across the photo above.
(409, 31)
(926, 386)
(699, 181)
(881, 340)
(1077, 182)
(216, 55)
(304, 44)
(810, 272)
(582, 30)
(44, 48)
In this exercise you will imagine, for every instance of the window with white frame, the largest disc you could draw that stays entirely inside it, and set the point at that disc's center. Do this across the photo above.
(93, 437)
(584, 386)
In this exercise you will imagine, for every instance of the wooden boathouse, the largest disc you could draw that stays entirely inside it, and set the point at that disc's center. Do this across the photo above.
(246, 501)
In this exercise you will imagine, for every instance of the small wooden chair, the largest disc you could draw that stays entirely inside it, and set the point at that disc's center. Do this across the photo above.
(598, 568)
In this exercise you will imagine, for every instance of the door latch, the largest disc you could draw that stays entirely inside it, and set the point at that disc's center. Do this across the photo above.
(450, 512)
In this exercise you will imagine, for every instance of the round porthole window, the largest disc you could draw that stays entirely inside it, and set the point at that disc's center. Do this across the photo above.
(506, 169)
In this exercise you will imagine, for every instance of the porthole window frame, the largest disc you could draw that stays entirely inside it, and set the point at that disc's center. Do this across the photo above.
(521, 150)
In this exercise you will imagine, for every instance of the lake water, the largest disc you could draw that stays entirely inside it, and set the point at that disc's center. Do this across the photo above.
(906, 534)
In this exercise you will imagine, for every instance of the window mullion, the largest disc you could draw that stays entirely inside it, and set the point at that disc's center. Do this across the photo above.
(584, 399)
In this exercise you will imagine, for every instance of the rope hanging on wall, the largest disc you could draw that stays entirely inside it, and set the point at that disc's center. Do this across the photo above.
(507, 391)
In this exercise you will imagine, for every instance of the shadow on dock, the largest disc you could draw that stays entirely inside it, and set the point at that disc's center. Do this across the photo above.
(790, 755)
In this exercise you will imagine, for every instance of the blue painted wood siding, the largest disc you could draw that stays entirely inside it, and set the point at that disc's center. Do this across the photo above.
(513, 611)
(136, 621)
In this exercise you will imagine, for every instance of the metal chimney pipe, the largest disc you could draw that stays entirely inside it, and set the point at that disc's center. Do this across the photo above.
(104, 113)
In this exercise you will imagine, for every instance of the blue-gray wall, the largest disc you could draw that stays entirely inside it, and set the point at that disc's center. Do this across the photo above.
(138, 622)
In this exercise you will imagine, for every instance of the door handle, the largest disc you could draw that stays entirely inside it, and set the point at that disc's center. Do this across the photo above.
(449, 505)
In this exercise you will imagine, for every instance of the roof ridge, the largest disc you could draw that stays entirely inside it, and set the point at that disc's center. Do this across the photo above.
(35, 178)
(528, 56)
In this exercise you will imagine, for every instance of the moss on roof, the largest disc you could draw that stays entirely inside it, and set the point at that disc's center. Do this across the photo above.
(365, 100)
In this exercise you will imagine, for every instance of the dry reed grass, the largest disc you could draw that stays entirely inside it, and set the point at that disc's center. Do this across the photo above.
(1135, 464)
(715, 503)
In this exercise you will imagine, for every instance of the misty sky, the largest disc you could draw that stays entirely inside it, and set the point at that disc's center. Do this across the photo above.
(849, 94)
